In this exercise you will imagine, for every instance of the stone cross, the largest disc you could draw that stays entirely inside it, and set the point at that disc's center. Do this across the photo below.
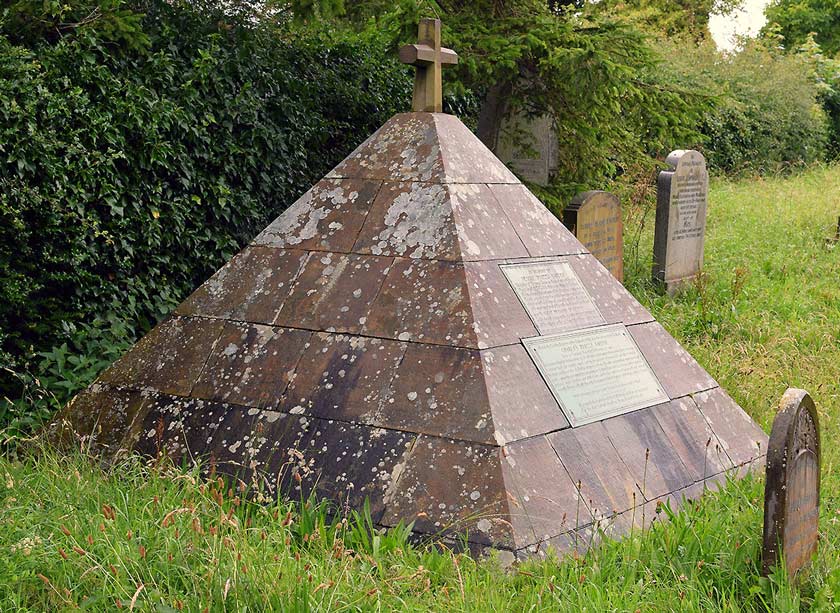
(428, 56)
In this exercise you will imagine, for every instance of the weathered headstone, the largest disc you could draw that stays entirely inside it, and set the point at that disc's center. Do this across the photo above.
(792, 489)
(529, 146)
(418, 331)
(595, 219)
(681, 198)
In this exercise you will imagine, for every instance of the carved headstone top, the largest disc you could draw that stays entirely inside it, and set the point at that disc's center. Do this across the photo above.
(792, 490)
(681, 198)
(595, 219)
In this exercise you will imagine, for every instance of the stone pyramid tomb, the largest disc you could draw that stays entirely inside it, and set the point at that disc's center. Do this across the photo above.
(420, 331)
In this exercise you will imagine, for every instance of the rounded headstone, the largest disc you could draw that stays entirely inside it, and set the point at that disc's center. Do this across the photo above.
(682, 193)
(595, 219)
(792, 489)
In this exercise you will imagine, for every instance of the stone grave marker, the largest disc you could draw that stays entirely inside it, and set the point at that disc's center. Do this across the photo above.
(595, 219)
(529, 146)
(792, 489)
(681, 197)
(419, 331)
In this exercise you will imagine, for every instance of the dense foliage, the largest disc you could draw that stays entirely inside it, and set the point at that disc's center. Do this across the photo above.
(755, 124)
(795, 20)
(131, 166)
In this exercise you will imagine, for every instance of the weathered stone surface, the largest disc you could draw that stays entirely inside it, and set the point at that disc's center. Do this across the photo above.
(692, 438)
(592, 461)
(449, 487)
(546, 493)
(595, 219)
(251, 365)
(484, 231)
(520, 401)
(792, 488)
(679, 373)
(182, 428)
(413, 220)
(98, 418)
(540, 231)
(369, 344)
(344, 377)
(334, 292)
(648, 453)
(740, 436)
(614, 302)
(168, 359)
(682, 195)
(428, 147)
(326, 218)
(497, 314)
(424, 301)
(251, 287)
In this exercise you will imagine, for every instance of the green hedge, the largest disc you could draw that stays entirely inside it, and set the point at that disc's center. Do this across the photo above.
(129, 173)
(764, 112)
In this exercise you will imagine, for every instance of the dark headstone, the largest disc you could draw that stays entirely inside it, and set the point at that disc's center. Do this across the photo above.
(595, 219)
(792, 490)
(681, 196)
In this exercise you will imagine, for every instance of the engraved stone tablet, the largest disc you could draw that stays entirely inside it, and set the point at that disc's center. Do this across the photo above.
(529, 146)
(681, 197)
(595, 219)
(596, 373)
(792, 489)
(553, 296)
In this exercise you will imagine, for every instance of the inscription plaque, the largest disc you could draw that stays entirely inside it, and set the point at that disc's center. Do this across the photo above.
(595, 219)
(682, 193)
(553, 296)
(792, 488)
(596, 373)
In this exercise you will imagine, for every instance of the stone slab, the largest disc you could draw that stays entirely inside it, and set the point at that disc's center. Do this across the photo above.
(447, 487)
(679, 373)
(648, 453)
(168, 359)
(251, 287)
(344, 377)
(614, 302)
(588, 454)
(540, 231)
(334, 292)
(595, 219)
(328, 217)
(739, 435)
(251, 365)
(596, 373)
(552, 295)
(682, 198)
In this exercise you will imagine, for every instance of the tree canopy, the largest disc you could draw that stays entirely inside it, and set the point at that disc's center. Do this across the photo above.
(794, 20)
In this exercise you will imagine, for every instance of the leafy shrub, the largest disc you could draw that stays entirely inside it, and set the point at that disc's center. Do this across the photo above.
(129, 173)
(763, 112)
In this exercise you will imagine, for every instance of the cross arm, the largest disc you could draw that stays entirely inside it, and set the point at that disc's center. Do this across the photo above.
(424, 54)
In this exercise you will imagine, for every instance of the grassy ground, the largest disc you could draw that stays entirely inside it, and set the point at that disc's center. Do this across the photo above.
(765, 316)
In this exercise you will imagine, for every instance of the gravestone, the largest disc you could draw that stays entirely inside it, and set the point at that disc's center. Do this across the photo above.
(792, 489)
(529, 146)
(681, 196)
(418, 331)
(595, 219)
